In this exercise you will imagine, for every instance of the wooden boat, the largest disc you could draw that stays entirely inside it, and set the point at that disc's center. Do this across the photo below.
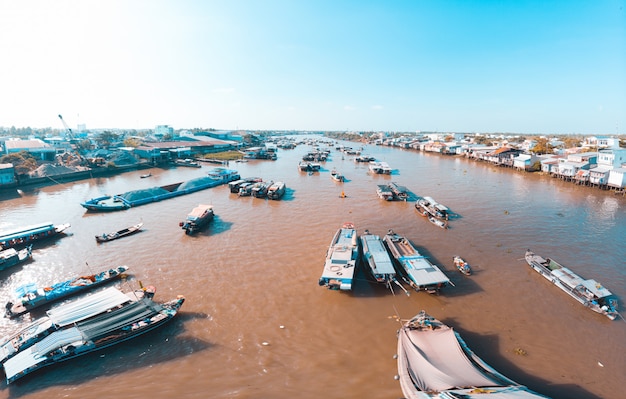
(197, 219)
(400, 193)
(120, 233)
(233, 186)
(30, 296)
(434, 362)
(437, 222)
(384, 192)
(417, 271)
(245, 190)
(19, 238)
(260, 189)
(341, 257)
(68, 314)
(588, 292)
(12, 257)
(187, 162)
(309, 166)
(379, 168)
(146, 175)
(215, 177)
(462, 265)
(276, 190)
(379, 264)
(93, 334)
(428, 206)
(336, 176)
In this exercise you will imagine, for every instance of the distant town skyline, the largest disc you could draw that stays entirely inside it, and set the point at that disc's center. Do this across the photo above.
(524, 67)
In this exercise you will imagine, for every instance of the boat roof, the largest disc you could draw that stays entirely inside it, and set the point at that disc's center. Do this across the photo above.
(342, 252)
(91, 305)
(422, 271)
(32, 356)
(437, 363)
(91, 329)
(199, 210)
(373, 245)
(28, 230)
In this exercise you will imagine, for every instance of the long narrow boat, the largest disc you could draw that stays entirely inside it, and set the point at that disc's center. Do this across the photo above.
(19, 238)
(30, 297)
(435, 362)
(417, 271)
(379, 264)
(68, 314)
(80, 338)
(12, 257)
(588, 292)
(215, 177)
(341, 257)
(120, 233)
(197, 219)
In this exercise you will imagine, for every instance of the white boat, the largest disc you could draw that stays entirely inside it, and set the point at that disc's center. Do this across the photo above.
(435, 362)
(588, 292)
(11, 257)
(341, 258)
(384, 192)
(379, 168)
(377, 260)
(419, 273)
(336, 176)
(428, 206)
(276, 190)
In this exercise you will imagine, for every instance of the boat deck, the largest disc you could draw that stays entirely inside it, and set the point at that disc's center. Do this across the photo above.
(341, 260)
(373, 248)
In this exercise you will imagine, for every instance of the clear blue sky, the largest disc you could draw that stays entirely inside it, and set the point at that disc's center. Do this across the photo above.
(435, 65)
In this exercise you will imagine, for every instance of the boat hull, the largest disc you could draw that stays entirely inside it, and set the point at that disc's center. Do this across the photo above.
(32, 297)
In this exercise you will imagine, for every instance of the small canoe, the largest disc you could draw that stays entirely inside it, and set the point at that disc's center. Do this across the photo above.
(120, 233)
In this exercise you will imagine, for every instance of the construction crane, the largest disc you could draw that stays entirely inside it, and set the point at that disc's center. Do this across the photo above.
(78, 157)
(68, 132)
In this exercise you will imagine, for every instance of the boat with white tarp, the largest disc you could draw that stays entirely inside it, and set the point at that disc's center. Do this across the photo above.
(435, 362)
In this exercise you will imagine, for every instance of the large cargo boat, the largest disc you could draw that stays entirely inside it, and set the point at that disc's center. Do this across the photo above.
(90, 335)
(216, 177)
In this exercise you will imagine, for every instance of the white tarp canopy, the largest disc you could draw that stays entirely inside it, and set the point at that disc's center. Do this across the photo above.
(436, 364)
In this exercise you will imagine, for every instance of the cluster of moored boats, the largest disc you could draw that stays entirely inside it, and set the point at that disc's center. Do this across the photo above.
(389, 260)
(256, 187)
(100, 319)
(433, 360)
(77, 327)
